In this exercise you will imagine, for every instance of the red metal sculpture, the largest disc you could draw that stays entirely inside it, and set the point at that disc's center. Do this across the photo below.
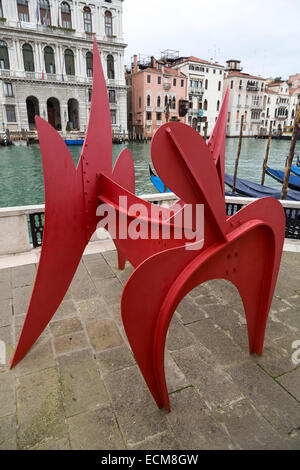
(245, 248)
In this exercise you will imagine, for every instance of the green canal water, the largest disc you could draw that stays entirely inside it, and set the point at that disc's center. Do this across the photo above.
(21, 174)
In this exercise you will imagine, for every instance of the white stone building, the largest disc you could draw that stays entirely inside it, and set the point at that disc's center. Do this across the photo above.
(46, 61)
(276, 107)
(246, 98)
(205, 90)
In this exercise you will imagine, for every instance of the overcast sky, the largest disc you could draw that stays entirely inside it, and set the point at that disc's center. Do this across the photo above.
(263, 34)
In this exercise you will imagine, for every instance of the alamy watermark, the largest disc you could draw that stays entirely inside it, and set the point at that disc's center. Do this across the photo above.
(149, 221)
(296, 354)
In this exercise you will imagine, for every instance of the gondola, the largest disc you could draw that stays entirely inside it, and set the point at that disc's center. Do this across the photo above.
(278, 175)
(295, 170)
(249, 189)
(160, 186)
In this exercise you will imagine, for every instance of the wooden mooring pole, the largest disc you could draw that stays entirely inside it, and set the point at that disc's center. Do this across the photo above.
(267, 155)
(291, 154)
(238, 155)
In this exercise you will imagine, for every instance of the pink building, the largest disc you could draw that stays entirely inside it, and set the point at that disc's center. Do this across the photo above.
(156, 93)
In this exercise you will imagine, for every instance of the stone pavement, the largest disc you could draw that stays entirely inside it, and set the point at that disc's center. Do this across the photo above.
(79, 386)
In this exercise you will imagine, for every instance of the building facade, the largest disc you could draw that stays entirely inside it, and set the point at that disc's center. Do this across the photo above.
(46, 61)
(246, 98)
(155, 94)
(205, 91)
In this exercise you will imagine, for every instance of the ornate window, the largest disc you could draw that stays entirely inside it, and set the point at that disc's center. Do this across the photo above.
(28, 58)
(4, 59)
(69, 62)
(87, 19)
(66, 18)
(89, 64)
(45, 15)
(108, 23)
(49, 59)
(110, 67)
(10, 113)
(23, 11)
(112, 96)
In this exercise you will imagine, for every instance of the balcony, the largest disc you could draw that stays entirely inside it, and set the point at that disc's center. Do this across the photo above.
(5, 73)
(158, 123)
(196, 90)
(167, 86)
(252, 88)
(257, 106)
(149, 123)
(193, 112)
(149, 109)
(160, 109)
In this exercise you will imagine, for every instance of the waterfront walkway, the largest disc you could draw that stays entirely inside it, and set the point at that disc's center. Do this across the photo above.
(79, 386)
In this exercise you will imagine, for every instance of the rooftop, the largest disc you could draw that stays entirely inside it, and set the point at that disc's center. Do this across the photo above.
(79, 386)
(244, 75)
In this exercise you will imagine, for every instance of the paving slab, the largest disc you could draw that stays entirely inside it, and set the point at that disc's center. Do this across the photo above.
(272, 401)
(214, 385)
(103, 334)
(83, 389)
(291, 382)
(114, 359)
(192, 424)
(7, 394)
(93, 309)
(6, 312)
(248, 429)
(23, 275)
(95, 430)
(40, 408)
(136, 412)
(8, 437)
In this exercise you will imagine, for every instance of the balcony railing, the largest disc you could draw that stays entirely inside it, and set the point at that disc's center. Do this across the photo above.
(256, 106)
(158, 123)
(252, 88)
(149, 123)
(5, 73)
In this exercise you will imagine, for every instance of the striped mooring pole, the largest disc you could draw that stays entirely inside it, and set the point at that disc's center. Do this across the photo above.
(4, 134)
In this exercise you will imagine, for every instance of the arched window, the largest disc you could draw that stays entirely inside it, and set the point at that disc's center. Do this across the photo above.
(89, 64)
(108, 23)
(69, 62)
(87, 19)
(166, 101)
(66, 18)
(110, 67)
(205, 105)
(174, 102)
(206, 84)
(28, 58)
(4, 59)
(23, 11)
(158, 101)
(148, 100)
(45, 15)
(49, 59)
(219, 86)
(218, 105)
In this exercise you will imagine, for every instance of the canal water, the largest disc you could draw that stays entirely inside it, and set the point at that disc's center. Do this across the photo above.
(21, 175)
